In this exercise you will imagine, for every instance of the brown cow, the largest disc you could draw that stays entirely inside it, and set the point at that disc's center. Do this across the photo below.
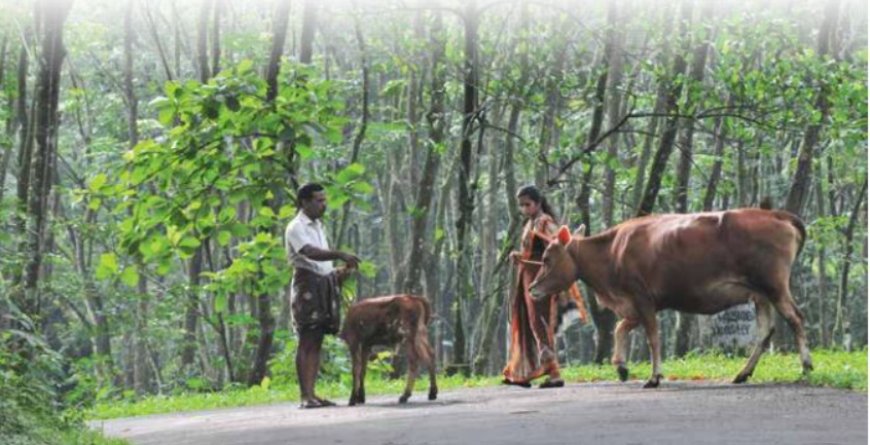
(386, 322)
(699, 263)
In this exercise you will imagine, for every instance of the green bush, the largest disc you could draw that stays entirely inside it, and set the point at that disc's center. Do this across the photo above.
(31, 411)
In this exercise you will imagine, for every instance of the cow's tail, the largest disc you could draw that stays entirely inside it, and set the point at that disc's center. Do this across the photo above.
(796, 221)
(427, 311)
(798, 224)
(421, 342)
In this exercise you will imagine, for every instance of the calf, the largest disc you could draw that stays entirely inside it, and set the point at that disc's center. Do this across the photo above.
(386, 322)
(698, 263)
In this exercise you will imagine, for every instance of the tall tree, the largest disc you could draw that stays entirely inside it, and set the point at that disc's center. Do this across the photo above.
(672, 96)
(6, 155)
(309, 26)
(51, 18)
(603, 318)
(842, 324)
(802, 178)
(686, 321)
(465, 194)
(425, 188)
(263, 301)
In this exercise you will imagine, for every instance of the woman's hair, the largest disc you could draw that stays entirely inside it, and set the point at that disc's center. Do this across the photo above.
(532, 192)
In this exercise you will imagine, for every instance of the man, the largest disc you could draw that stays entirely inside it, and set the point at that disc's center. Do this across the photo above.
(315, 297)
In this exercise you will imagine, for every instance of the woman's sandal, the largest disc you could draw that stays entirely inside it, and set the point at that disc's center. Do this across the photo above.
(557, 383)
(511, 382)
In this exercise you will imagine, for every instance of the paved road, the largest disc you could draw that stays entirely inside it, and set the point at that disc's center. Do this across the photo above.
(590, 413)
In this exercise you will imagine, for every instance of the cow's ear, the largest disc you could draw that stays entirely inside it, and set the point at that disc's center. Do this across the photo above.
(580, 230)
(564, 235)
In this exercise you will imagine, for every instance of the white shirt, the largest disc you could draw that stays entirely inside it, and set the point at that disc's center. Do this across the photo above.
(301, 232)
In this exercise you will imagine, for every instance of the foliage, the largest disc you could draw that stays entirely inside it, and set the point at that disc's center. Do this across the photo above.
(30, 375)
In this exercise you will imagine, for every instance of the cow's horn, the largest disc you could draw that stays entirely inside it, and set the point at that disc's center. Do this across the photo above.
(580, 230)
(564, 235)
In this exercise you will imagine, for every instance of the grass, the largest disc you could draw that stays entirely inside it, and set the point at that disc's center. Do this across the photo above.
(31, 429)
(836, 369)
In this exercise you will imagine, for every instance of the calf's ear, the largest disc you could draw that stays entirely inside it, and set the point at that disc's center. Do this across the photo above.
(564, 235)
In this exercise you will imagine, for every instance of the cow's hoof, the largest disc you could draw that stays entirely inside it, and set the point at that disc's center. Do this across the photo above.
(741, 378)
(404, 398)
(623, 373)
(433, 395)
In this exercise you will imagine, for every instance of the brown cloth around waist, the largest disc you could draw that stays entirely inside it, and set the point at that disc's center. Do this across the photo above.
(316, 301)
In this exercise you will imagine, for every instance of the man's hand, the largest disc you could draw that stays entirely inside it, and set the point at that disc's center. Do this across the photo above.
(343, 272)
(350, 260)
(515, 257)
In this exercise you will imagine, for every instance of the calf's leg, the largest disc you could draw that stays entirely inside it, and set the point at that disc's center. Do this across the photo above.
(412, 370)
(358, 362)
(427, 355)
(364, 356)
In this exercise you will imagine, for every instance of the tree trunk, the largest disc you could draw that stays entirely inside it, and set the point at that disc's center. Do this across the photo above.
(10, 121)
(548, 121)
(685, 321)
(264, 345)
(309, 26)
(603, 318)
(802, 177)
(279, 35)
(45, 135)
(155, 35)
(191, 316)
(141, 371)
(465, 196)
(361, 131)
(822, 295)
(202, 41)
(216, 38)
(666, 144)
(425, 190)
(613, 59)
(843, 322)
(719, 133)
(492, 263)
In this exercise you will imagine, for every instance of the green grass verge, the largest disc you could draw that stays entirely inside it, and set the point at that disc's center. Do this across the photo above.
(37, 430)
(836, 369)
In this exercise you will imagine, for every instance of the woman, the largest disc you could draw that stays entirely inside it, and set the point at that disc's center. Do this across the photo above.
(533, 323)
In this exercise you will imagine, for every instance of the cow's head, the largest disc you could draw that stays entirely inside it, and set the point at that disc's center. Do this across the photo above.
(558, 272)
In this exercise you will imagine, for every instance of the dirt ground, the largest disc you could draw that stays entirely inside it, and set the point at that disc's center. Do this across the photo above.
(589, 413)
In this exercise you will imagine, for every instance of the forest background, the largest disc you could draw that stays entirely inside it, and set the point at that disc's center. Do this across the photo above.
(149, 153)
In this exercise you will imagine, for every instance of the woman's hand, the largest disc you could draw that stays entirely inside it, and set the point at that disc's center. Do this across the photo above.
(515, 257)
